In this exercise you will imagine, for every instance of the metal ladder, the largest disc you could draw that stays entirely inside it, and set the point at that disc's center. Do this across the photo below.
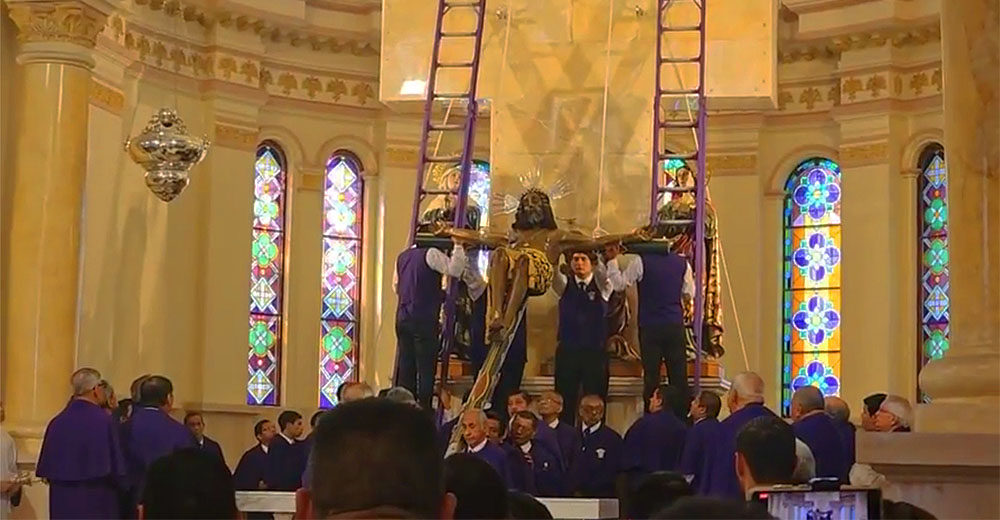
(666, 126)
(463, 158)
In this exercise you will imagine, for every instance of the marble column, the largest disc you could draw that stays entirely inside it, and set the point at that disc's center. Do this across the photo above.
(965, 384)
(50, 159)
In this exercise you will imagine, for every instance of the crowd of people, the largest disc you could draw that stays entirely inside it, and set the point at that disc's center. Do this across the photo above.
(386, 456)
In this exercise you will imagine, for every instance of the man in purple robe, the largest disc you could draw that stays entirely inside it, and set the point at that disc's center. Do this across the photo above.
(534, 467)
(550, 407)
(250, 471)
(151, 432)
(476, 442)
(80, 456)
(595, 467)
(840, 412)
(815, 428)
(765, 453)
(698, 459)
(286, 460)
(195, 422)
(655, 441)
(520, 401)
(745, 400)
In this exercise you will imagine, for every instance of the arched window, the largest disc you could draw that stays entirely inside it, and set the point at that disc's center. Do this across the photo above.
(267, 276)
(479, 193)
(933, 260)
(812, 262)
(342, 224)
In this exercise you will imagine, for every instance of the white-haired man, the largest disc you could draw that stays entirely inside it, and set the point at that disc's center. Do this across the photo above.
(815, 428)
(80, 457)
(894, 415)
(745, 400)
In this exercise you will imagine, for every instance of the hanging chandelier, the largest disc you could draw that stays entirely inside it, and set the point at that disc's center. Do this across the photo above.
(166, 152)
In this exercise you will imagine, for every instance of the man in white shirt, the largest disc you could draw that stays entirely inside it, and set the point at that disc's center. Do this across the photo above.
(9, 485)
(664, 281)
(581, 353)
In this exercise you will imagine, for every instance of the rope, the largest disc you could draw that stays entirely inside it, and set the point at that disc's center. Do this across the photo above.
(604, 114)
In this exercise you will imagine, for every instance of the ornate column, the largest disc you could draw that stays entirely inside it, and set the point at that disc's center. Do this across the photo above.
(965, 384)
(56, 38)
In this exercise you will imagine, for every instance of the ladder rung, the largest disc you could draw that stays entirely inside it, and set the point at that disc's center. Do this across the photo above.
(679, 222)
(686, 59)
(681, 156)
(442, 128)
(461, 4)
(459, 34)
(454, 64)
(681, 28)
(443, 158)
(437, 192)
(674, 92)
(679, 124)
(457, 95)
(678, 189)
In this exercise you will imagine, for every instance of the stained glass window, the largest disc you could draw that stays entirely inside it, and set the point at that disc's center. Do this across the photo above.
(812, 263)
(342, 218)
(933, 261)
(267, 248)
(479, 194)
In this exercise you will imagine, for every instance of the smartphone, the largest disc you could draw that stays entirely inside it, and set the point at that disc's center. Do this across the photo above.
(809, 502)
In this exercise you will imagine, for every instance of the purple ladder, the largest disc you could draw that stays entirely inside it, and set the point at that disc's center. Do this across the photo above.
(665, 127)
(458, 195)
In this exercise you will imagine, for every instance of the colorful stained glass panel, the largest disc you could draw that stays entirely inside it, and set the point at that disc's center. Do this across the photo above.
(934, 282)
(814, 256)
(263, 359)
(337, 358)
(340, 264)
(269, 190)
(813, 194)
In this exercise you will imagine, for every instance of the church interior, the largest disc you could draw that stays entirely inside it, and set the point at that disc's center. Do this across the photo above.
(847, 152)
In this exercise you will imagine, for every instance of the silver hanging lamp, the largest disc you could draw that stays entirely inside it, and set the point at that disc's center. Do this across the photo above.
(166, 152)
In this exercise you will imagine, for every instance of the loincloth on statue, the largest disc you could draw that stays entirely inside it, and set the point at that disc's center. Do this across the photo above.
(540, 271)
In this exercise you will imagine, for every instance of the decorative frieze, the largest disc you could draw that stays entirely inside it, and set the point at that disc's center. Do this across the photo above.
(106, 97)
(237, 137)
(864, 154)
(69, 21)
(832, 47)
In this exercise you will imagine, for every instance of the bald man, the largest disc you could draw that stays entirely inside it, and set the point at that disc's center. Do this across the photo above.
(550, 407)
(840, 412)
(354, 391)
(815, 428)
(745, 400)
(477, 443)
(596, 466)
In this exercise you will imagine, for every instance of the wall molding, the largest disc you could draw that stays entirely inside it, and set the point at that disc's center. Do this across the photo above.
(237, 137)
(108, 98)
(864, 154)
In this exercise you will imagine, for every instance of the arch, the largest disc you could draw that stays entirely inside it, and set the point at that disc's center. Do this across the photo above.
(916, 145)
(779, 174)
(290, 145)
(933, 273)
(343, 225)
(363, 152)
(811, 279)
(267, 275)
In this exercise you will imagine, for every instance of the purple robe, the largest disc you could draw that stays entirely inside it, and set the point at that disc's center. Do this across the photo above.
(567, 438)
(819, 433)
(496, 457)
(148, 435)
(211, 447)
(596, 465)
(286, 463)
(250, 470)
(544, 434)
(847, 433)
(543, 477)
(653, 443)
(82, 461)
(724, 482)
(698, 458)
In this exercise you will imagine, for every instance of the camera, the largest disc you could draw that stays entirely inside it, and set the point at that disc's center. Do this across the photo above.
(820, 500)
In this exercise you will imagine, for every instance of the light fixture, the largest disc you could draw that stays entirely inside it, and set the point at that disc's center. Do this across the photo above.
(166, 152)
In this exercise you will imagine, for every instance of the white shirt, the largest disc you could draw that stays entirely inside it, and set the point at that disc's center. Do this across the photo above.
(554, 424)
(526, 447)
(287, 438)
(633, 274)
(592, 429)
(599, 274)
(479, 447)
(264, 447)
(474, 280)
(439, 261)
(8, 467)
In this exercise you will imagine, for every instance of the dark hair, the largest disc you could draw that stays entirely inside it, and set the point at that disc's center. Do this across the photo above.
(315, 418)
(548, 217)
(392, 448)
(136, 388)
(188, 483)
(712, 403)
(523, 506)
(522, 393)
(258, 428)
(712, 508)
(768, 445)
(496, 417)
(192, 414)
(892, 510)
(675, 399)
(287, 417)
(124, 410)
(657, 491)
(524, 414)
(874, 402)
(591, 255)
(155, 391)
(480, 491)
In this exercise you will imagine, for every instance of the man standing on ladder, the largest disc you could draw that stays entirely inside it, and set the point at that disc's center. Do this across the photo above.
(664, 283)
(417, 283)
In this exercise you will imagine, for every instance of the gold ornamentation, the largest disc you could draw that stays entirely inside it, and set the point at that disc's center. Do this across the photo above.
(287, 82)
(897, 84)
(834, 94)
(106, 97)
(250, 71)
(228, 66)
(312, 84)
(936, 79)
(832, 48)
(336, 87)
(363, 92)
(851, 87)
(236, 137)
(876, 84)
(872, 153)
(918, 82)
(810, 96)
(784, 98)
(69, 21)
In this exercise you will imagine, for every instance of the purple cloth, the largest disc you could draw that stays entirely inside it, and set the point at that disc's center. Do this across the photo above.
(582, 322)
(654, 443)
(148, 435)
(846, 429)
(547, 436)
(418, 287)
(596, 465)
(211, 447)
(543, 477)
(496, 457)
(567, 437)
(724, 482)
(250, 470)
(286, 463)
(660, 289)
(698, 458)
(81, 459)
(820, 434)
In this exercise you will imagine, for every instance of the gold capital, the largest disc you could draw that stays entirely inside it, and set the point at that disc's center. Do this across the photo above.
(57, 21)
